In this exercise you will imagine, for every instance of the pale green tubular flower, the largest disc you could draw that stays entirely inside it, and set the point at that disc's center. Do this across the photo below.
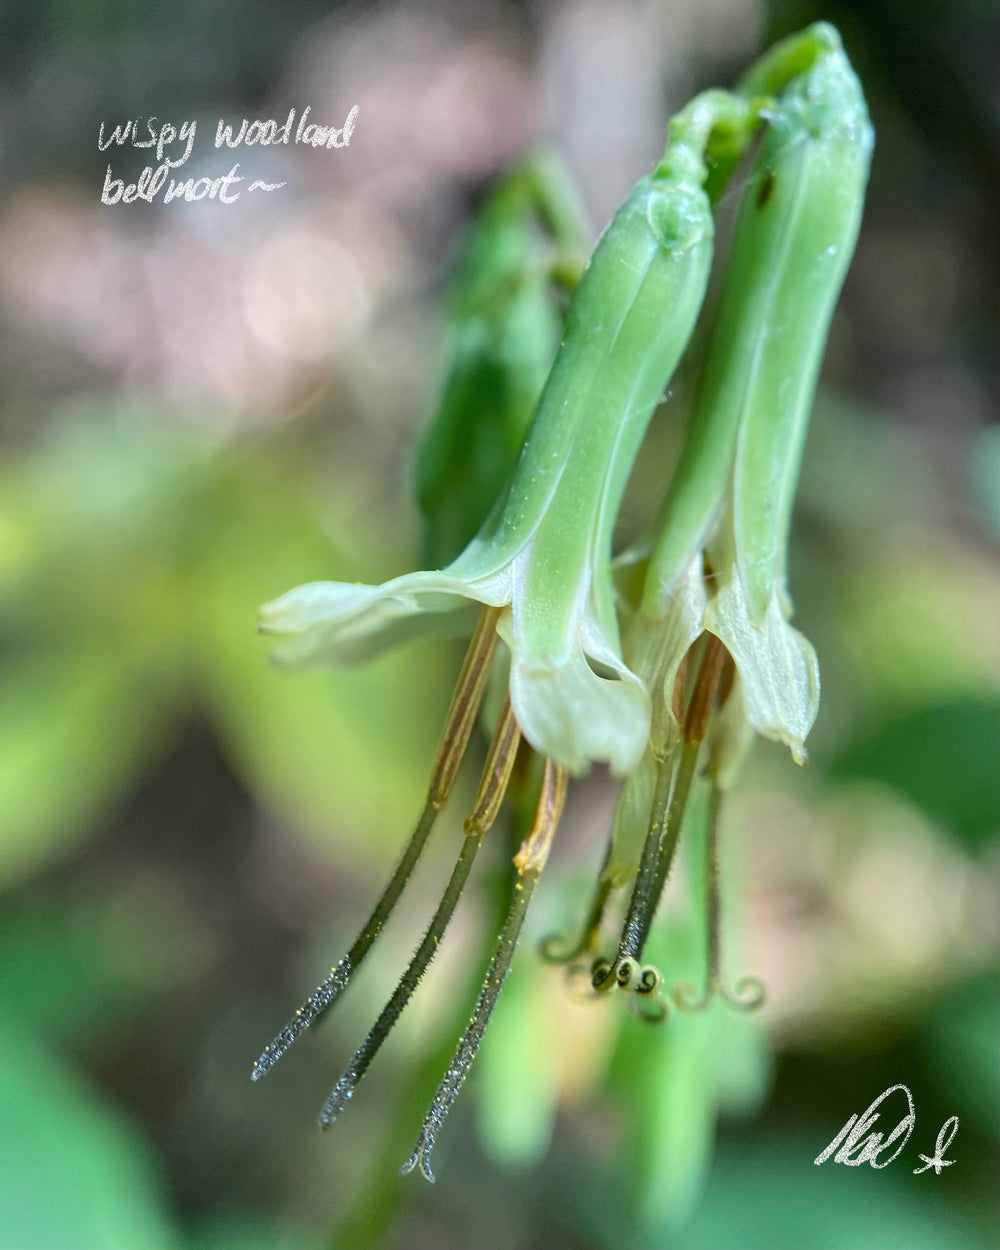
(543, 555)
(540, 565)
(710, 633)
(707, 658)
(732, 496)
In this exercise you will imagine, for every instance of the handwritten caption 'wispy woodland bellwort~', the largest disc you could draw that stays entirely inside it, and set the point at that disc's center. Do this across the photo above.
(173, 146)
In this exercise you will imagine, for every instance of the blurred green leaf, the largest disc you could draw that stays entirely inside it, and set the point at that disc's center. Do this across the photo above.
(243, 1230)
(135, 559)
(943, 758)
(768, 1195)
(669, 1073)
(961, 1037)
(676, 1076)
(73, 1174)
(75, 726)
(57, 972)
(518, 1068)
(310, 743)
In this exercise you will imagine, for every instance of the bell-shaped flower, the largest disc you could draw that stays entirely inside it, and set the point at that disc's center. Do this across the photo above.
(573, 696)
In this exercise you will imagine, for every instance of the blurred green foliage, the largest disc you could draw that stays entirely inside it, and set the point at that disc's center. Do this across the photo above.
(74, 1173)
(135, 562)
(941, 757)
(188, 835)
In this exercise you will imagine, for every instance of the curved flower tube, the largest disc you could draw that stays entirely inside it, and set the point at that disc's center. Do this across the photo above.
(543, 555)
(730, 502)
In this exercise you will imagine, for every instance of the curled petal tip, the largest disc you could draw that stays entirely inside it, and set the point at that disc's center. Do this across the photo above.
(779, 672)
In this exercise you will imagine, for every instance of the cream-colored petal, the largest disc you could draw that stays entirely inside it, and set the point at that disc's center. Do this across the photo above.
(342, 622)
(778, 670)
(572, 714)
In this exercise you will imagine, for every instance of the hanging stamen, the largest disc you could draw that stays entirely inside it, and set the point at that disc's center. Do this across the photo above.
(529, 862)
(492, 786)
(667, 817)
(579, 985)
(555, 949)
(644, 980)
(461, 718)
(647, 1001)
(709, 675)
(496, 772)
(604, 972)
(748, 993)
(673, 785)
(465, 704)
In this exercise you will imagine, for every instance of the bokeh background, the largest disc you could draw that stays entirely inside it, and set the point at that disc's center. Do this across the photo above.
(203, 406)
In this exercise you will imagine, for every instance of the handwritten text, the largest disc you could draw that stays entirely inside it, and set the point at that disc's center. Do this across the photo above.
(174, 144)
(855, 1144)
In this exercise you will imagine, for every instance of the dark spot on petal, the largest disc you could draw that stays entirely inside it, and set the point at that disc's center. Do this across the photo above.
(766, 187)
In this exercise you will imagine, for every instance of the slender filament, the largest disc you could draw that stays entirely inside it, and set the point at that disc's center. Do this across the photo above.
(530, 861)
(748, 993)
(668, 845)
(638, 918)
(496, 774)
(555, 949)
(670, 797)
(461, 718)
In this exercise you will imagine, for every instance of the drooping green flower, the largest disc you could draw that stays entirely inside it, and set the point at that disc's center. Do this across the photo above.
(729, 505)
(543, 555)
(710, 633)
(709, 657)
(541, 562)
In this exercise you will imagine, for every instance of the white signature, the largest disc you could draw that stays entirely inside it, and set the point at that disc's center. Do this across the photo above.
(852, 1150)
